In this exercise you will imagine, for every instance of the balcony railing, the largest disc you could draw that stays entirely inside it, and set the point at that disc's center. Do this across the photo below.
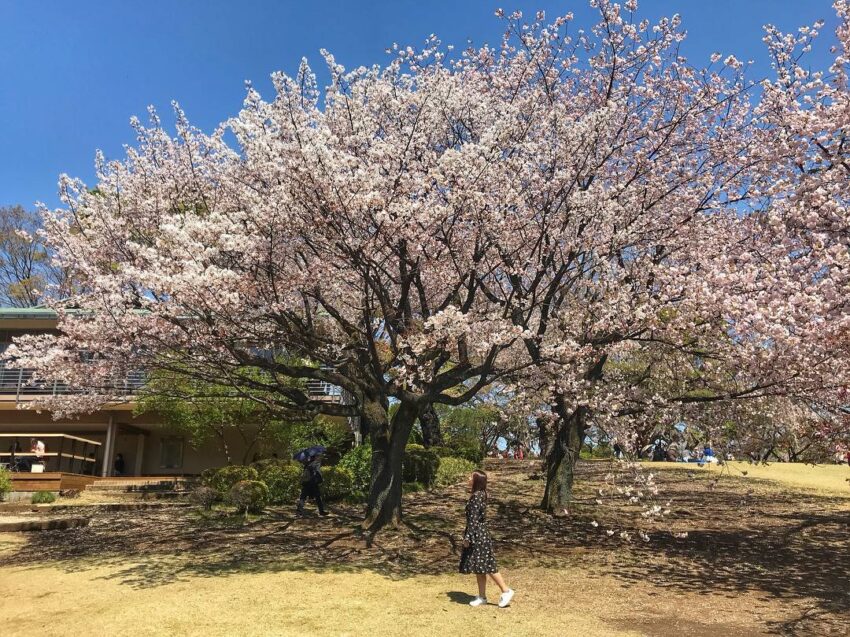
(20, 383)
(323, 390)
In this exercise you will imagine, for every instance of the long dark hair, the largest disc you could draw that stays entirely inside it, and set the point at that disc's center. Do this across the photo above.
(479, 482)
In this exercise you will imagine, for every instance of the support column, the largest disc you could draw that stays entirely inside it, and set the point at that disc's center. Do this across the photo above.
(140, 450)
(109, 448)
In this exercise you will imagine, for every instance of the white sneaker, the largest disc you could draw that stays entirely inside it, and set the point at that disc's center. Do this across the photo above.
(478, 601)
(506, 597)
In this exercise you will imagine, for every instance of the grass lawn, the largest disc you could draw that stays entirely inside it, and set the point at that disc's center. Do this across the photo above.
(826, 479)
(761, 557)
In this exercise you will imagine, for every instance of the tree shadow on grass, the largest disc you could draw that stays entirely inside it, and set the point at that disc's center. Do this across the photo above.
(784, 545)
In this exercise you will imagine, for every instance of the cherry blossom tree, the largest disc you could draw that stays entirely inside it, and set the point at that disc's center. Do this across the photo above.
(532, 213)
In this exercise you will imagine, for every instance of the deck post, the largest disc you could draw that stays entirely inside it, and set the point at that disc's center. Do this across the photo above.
(140, 450)
(109, 448)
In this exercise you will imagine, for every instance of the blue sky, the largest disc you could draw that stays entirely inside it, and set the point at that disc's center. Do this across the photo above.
(73, 73)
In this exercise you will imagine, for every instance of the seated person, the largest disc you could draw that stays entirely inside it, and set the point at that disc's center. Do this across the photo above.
(37, 447)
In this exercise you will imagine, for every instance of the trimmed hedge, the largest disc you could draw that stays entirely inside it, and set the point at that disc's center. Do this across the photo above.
(453, 470)
(205, 496)
(249, 496)
(337, 484)
(420, 465)
(223, 479)
(283, 480)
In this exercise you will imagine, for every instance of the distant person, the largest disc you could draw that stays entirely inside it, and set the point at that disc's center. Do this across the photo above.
(118, 465)
(477, 556)
(38, 448)
(618, 450)
(311, 478)
(847, 456)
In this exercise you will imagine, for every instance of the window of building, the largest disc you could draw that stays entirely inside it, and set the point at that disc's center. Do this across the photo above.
(171, 453)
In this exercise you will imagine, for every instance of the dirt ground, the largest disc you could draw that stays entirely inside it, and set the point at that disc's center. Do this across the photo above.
(763, 555)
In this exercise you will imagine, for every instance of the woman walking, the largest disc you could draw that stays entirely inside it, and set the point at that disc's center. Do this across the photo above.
(311, 478)
(477, 556)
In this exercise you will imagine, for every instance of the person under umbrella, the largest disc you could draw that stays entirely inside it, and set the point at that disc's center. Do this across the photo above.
(311, 478)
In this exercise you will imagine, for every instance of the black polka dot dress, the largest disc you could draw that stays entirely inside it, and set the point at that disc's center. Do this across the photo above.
(478, 557)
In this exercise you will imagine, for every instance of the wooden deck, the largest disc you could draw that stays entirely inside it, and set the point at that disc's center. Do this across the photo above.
(59, 481)
(50, 481)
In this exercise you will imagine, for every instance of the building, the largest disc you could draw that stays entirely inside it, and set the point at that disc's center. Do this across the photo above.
(89, 444)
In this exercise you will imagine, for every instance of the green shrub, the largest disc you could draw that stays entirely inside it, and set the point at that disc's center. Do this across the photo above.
(43, 497)
(224, 479)
(5, 483)
(205, 496)
(249, 496)
(420, 465)
(337, 484)
(453, 470)
(265, 463)
(283, 480)
(468, 452)
(359, 462)
(444, 452)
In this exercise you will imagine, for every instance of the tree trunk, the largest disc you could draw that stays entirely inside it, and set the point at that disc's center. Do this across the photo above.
(562, 459)
(430, 423)
(388, 442)
(566, 446)
(544, 440)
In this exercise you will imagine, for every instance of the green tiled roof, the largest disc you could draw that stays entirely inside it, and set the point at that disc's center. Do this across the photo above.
(27, 313)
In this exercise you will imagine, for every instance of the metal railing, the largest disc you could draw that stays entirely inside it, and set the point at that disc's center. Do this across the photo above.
(20, 383)
(323, 389)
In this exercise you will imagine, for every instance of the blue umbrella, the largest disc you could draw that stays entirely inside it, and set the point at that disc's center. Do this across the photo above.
(305, 454)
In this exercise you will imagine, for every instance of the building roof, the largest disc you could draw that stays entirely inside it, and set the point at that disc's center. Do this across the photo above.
(45, 313)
